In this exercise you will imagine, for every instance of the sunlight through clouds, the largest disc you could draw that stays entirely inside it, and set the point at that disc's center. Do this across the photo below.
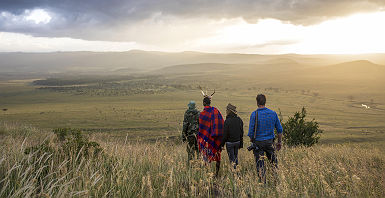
(361, 33)
(245, 37)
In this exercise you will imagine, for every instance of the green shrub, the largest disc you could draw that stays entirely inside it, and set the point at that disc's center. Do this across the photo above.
(73, 142)
(298, 131)
(69, 142)
(54, 163)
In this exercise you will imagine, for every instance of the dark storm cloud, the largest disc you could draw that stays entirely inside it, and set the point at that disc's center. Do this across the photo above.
(100, 19)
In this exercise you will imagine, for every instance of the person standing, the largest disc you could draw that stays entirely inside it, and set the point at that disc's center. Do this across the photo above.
(190, 130)
(263, 121)
(210, 133)
(233, 134)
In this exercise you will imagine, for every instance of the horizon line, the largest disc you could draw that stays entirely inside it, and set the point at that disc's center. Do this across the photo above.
(187, 51)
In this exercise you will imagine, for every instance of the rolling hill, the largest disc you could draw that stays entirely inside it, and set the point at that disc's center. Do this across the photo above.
(140, 61)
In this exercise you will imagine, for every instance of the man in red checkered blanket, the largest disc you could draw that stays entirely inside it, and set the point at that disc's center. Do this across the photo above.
(210, 133)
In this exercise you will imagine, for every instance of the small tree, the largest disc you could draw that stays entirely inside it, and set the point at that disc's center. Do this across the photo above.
(298, 131)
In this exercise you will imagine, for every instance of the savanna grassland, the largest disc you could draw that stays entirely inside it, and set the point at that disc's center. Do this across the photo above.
(159, 169)
(136, 119)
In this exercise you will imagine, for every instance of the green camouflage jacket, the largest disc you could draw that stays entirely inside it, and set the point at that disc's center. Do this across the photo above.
(190, 123)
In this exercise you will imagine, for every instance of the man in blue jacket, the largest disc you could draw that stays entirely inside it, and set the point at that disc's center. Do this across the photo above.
(263, 121)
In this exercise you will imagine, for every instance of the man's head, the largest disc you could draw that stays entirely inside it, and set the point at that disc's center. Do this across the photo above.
(231, 109)
(261, 100)
(191, 105)
(206, 101)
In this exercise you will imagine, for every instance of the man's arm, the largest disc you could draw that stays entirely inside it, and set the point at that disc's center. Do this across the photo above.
(279, 143)
(242, 132)
(279, 137)
(225, 133)
(251, 126)
(279, 128)
(185, 126)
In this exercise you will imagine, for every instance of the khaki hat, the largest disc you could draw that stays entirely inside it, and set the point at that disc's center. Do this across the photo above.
(232, 108)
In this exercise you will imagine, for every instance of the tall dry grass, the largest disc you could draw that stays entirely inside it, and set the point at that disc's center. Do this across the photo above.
(139, 169)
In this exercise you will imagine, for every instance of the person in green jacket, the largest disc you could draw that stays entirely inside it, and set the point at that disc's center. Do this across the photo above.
(190, 130)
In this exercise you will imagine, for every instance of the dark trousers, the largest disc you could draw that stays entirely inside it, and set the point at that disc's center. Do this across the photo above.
(232, 151)
(265, 146)
(192, 147)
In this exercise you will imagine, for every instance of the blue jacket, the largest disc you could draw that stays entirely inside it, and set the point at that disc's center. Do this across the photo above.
(267, 121)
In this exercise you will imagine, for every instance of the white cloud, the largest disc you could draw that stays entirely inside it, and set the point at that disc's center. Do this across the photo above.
(15, 42)
(29, 18)
(37, 16)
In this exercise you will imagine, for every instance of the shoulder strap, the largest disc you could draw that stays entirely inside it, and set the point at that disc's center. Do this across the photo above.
(256, 125)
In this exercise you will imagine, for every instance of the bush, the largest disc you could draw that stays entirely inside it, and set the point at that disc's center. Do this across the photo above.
(298, 131)
(69, 142)
(53, 168)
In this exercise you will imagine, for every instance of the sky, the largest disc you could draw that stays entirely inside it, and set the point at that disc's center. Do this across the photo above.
(218, 26)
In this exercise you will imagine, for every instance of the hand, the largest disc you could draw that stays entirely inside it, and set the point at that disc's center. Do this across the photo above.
(278, 146)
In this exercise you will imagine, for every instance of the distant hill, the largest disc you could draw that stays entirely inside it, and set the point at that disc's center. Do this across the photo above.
(360, 69)
(140, 61)
(361, 76)
(201, 68)
(283, 60)
(269, 66)
(354, 67)
(111, 61)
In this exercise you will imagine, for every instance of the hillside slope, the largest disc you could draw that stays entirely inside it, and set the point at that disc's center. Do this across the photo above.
(136, 60)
